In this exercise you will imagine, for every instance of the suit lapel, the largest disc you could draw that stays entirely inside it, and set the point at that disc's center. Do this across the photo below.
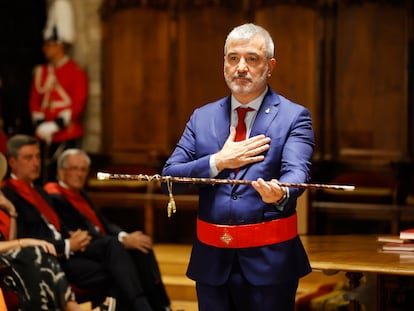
(266, 114)
(222, 121)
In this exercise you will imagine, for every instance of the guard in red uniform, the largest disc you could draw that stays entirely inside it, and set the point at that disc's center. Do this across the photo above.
(59, 90)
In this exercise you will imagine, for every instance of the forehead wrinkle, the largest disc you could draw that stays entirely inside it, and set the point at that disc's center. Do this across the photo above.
(255, 45)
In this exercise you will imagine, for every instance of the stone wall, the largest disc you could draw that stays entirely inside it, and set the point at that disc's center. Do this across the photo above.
(87, 52)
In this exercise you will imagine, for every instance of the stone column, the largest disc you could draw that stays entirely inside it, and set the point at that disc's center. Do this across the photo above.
(87, 52)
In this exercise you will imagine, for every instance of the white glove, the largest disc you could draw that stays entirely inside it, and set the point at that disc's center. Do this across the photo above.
(45, 130)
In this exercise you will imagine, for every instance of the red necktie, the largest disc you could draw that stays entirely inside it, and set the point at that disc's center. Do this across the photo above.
(241, 127)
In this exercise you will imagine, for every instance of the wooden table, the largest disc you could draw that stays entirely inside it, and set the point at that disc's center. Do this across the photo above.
(355, 255)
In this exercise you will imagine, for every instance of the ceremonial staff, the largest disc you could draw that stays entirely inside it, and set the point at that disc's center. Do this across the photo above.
(169, 180)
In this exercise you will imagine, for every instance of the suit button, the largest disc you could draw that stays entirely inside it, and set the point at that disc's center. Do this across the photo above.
(234, 196)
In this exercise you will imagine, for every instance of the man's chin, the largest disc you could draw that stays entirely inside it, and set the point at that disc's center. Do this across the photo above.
(240, 89)
(240, 86)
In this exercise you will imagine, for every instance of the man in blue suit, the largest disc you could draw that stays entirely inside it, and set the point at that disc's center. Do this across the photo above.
(247, 255)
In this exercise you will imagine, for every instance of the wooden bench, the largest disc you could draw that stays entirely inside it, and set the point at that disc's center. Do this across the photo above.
(395, 215)
(137, 195)
(147, 201)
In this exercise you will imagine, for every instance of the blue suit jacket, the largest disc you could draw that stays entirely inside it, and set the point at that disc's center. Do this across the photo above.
(288, 159)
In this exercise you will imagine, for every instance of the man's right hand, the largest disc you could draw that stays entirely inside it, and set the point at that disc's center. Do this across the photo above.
(79, 240)
(237, 154)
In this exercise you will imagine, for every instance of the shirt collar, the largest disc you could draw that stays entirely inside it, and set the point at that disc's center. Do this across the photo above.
(255, 103)
(62, 184)
(13, 176)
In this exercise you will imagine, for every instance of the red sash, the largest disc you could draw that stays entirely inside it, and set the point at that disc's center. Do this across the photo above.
(4, 224)
(250, 235)
(78, 201)
(31, 195)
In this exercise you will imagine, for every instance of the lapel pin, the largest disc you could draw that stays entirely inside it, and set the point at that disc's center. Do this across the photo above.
(267, 110)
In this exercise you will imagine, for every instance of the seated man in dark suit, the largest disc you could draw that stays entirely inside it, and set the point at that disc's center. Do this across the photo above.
(78, 213)
(88, 262)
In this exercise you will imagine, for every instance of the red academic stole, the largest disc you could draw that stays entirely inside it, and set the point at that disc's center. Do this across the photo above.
(78, 201)
(32, 196)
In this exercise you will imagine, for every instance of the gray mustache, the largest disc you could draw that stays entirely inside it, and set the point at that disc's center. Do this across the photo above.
(241, 75)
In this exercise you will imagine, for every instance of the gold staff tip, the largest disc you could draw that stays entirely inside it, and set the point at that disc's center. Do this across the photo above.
(102, 176)
(348, 188)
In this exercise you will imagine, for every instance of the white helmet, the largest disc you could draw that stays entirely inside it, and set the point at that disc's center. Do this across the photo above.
(60, 22)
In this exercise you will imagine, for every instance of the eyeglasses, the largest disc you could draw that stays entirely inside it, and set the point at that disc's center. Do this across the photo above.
(77, 168)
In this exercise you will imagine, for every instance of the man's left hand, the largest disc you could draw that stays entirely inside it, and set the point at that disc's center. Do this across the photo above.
(270, 191)
(138, 240)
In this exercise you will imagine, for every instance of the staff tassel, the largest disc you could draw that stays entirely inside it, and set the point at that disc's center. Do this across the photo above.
(171, 207)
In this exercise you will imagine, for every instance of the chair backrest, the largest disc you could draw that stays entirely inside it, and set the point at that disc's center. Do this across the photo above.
(2, 302)
(10, 301)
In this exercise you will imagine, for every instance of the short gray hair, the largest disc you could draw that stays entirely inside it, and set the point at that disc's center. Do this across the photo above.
(16, 142)
(62, 159)
(247, 31)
